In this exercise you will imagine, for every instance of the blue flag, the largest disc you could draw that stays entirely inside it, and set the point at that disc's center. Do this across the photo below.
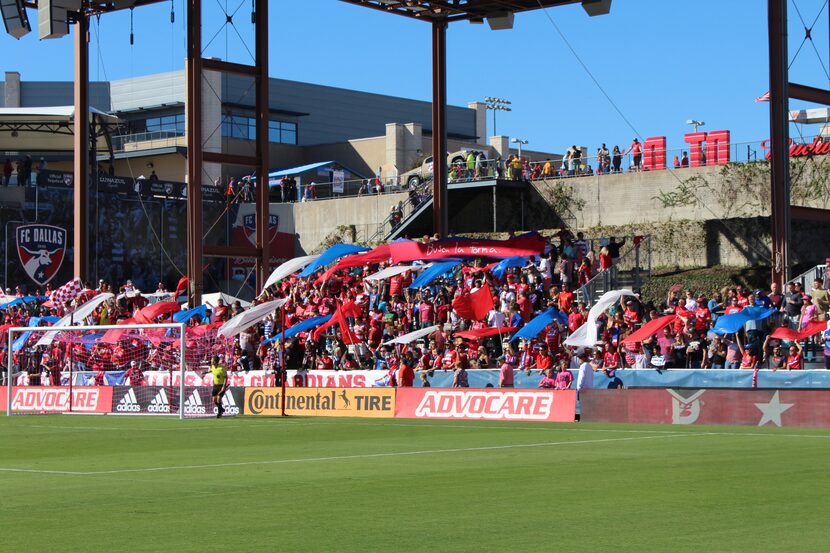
(540, 323)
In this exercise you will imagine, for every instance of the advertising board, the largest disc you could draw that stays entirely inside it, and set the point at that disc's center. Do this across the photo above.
(486, 404)
(807, 408)
(321, 402)
(56, 399)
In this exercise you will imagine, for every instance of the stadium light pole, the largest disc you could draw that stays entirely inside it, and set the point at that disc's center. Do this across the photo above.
(695, 123)
(520, 143)
(496, 104)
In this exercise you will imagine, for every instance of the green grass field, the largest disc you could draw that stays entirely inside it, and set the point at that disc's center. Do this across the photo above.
(83, 483)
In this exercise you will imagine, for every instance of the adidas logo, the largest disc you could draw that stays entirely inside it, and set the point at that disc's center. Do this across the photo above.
(160, 404)
(229, 404)
(193, 404)
(128, 403)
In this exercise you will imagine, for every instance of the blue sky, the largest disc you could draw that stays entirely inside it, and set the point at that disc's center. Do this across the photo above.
(662, 62)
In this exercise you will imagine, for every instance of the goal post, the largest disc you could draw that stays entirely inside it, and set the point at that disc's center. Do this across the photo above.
(81, 369)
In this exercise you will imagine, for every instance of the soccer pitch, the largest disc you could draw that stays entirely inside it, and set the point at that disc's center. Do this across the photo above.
(107, 483)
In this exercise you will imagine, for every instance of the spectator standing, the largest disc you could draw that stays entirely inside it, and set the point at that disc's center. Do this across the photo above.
(506, 375)
(684, 160)
(636, 149)
(614, 249)
(616, 160)
(585, 377)
(8, 169)
(793, 302)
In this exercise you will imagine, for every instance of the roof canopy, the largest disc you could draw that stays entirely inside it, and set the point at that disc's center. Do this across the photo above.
(50, 129)
(473, 10)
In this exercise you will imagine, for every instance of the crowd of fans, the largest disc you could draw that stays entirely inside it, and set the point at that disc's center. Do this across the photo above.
(377, 312)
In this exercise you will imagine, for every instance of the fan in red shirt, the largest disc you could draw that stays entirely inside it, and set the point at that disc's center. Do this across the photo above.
(525, 307)
(325, 362)
(611, 358)
(575, 319)
(544, 360)
(795, 361)
(630, 315)
(134, 376)
(702, 315)
(566, 298)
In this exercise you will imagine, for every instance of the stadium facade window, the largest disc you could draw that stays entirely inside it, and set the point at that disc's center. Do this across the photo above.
(173, 123)
(242, 127)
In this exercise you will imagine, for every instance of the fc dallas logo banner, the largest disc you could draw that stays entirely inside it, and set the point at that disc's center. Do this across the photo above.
(249, 226)
(41, 249)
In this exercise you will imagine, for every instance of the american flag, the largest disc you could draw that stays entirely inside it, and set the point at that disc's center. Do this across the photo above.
(763, 97)
(68, 291)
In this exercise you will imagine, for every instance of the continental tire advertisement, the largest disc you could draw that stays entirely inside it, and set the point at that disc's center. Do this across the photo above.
(322, 402)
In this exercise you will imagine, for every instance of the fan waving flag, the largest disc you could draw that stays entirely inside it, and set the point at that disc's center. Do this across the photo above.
(340, 319)
(180, 287)
(475, 306)
(67, 292)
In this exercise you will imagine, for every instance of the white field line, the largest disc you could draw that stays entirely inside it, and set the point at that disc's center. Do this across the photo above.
(576, 427)
(342, 457)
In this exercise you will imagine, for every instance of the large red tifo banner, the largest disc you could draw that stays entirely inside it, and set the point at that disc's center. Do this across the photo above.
(55, 399)
(532, 244)
(808, 408)
(487, 404)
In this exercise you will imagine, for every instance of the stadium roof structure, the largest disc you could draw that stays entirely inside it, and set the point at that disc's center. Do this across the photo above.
(474, 11)
(51, 129)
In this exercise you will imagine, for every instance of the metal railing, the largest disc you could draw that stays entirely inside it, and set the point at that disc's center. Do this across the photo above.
(807, 277)
(631, 269)
(119, 142)
(739, 152)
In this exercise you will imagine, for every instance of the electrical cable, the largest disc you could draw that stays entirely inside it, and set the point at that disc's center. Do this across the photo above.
(703, 204)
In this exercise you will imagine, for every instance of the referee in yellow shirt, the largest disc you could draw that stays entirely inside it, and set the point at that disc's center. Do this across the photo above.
(220, 381)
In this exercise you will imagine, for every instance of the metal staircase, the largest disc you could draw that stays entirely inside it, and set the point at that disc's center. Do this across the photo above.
(629, 273)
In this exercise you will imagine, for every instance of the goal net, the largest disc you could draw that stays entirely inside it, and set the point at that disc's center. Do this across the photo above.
(151, 369)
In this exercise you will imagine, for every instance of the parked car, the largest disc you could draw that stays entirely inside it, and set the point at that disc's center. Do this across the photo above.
(423, 173)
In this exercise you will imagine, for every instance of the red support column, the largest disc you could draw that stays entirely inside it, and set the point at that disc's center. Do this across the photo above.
(263, 209)
(194, 150)
(440, 220)
(81, 165)
(779, 155)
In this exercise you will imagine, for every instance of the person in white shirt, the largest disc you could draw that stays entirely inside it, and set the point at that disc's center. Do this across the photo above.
(495, 318)
(506, 297)
(585, 377)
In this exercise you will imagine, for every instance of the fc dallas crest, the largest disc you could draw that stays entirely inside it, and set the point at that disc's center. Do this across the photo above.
(249, 227)
(41, 249)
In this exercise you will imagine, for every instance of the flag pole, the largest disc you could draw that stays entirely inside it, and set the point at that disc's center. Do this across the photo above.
(282, 359)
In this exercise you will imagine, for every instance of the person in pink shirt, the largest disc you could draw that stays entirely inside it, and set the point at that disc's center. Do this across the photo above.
(564, 378)
(547, 380)
(506, 376)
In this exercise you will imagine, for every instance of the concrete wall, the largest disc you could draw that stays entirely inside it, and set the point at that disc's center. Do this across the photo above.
(718, 216)
(314, 221)
(635, 197)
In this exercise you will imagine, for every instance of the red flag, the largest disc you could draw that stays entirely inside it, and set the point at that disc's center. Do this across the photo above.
(181, 287)
(649, 329)
(474, 306)
(813, 327)
(337, 318)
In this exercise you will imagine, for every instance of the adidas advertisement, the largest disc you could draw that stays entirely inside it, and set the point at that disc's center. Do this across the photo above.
(127, 404)
(145, 400)
(163, 400)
